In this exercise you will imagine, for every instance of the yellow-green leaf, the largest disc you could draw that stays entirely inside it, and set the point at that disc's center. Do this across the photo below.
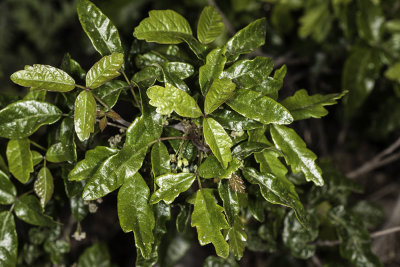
(210, 25)
(220, 91)
(44, 186)
(19, 158)
(85, 115)
(104, 70)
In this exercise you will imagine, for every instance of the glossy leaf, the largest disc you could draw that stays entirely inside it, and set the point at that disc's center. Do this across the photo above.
(163, 27)
(23, 118)
(271, 85)
(277, 190)
(95, 255)
(303, 106)
(237, 238)
(110, 91)
(171, 185)
(85, 115)
(230, 200)
(220, 91)
(9, 240)
(210, 25)
(19, 158)
(65, 150)
(234, 121)
(8, 192)
(104, 70)
(135, 213)
(44, 77)
(370, 21)
(160, 159)
(208, 218)
(245, 149)
(247, 39)
(297, 155)
(100, 30)
(249, 73)
(28, 209)
(113, 171)
(44, 186)
(181, 70)
(211, 168)
(218, 140)
(215, 62)
(168, 99)
(260, 108)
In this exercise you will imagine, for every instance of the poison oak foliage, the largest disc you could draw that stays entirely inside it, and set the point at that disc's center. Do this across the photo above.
(207, 133)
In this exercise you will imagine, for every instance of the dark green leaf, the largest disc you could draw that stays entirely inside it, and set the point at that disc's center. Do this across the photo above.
(44, 77)
(218, 140)
(277, 190)
(237, 238)
(371, 214)
(393, 72)
(303, 106)
(160, 159)
(104, 70)
(87, 167)
(208, 218)
(44, 186)
(271, 85)
(234, 121)
(245, 149)
(249, 73)
(109, 92)
(210, 25)
(19, 158)
(215, 62)
(8, 192)
(113, 171)
(220, 91)
(28, 209)
(135, 213)
(171, 185)
(247, 39)
(213, 261)
(100, 30)
(261, 108)
(23, 118)
(230, 200)
(38, 95)
(297, 155)
(168, 99)
(65, 150)
(370, 21)
(9, 240)
(211, 168)
(78, 208)
(95, 255)
(85, 115)
(316, 21)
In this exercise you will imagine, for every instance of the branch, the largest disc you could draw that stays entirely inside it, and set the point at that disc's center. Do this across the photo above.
(377, 161)
(115, 125)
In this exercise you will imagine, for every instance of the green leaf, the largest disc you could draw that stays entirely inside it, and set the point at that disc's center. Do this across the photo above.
(316, 21)
(237, 238)
(3, 165)
(36, 157)
(247, 39)
(393, 72)
(220, 91)
(104, 70)
(160, 159)
(168, 99)
(296, 153)
(44, 77)
(65, 150)
(163, 27)
(355, 240)
(245, 149)
(78, 208)
(9, 240)
(260, 108)
(23, 118)
(109, 92)
(303, 106)
(218, 140)
(249, 73)
(277, 190)
(28, 209)
(230, 200)
(215, 62)
(87, 167)
(19, 159)
(298, 238)
(211, 168)
(113, 171)
(210, 25)
(213, 261)
(44, 186)
(135, 213)
(100, 30)
(95, 255)
(370, 21)
(271, 85)
(38, 95)
(234, 121)
(8, 192)
(85, 115)
(208, 218)
(181, 70)
(171, 185)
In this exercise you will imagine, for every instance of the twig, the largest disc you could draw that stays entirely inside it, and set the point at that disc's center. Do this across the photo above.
(377, 161)
(37, 145)
(317, 262)
(331, 243)
(115, 125)
(121, 120)
(131, 88)
(168, 138)
(228, 24)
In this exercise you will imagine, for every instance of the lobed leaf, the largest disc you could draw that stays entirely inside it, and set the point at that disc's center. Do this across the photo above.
(210, 25)
(23, 118)
(44, 77)
(104, 70)
(19, 158)
(171, 185)
(85, 115)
